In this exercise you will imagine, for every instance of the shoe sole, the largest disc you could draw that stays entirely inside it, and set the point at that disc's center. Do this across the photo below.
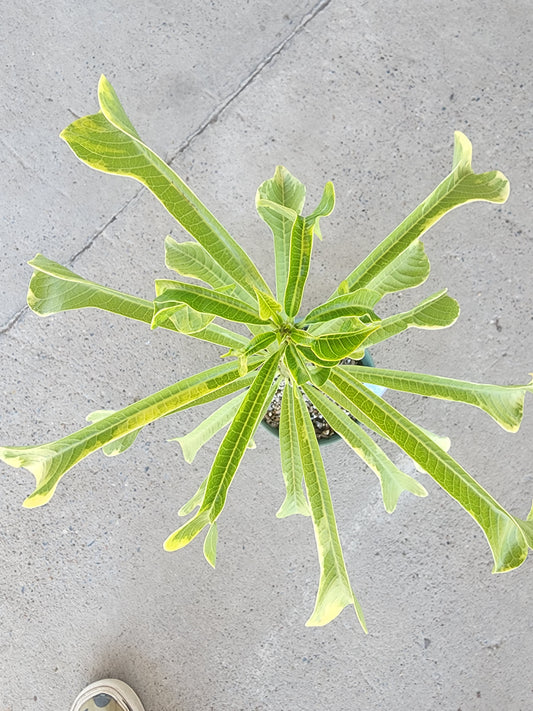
(118, 690)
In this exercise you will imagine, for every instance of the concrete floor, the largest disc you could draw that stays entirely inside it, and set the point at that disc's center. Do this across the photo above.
(368, 95)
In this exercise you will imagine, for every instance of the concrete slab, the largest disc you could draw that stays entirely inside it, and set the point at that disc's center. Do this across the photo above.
(176, 65)
(367, 96)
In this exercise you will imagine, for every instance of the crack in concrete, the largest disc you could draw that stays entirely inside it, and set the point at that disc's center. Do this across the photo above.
(210, 119)
(102, 229)
(13, 320)
(222, 106)
(5, 328)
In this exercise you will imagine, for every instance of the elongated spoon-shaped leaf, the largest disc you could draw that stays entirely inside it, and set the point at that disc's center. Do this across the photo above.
(296, 365)
(190, 259)
(334, 589)
(508, 536)
(504, 403)
(54, 288)
(49, 462)
(295, 501)
(205, 301)
(462, 185)
(340, 345)
(192, 442)
(229, 454)
(108, 142)
(285, 190)
(393, 481)
(358, 303)
(437, 311)
(301, 248)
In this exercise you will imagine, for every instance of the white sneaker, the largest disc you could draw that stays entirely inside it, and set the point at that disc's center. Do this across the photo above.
(107, 694)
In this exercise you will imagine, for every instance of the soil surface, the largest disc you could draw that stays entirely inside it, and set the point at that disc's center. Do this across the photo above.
(322, 428)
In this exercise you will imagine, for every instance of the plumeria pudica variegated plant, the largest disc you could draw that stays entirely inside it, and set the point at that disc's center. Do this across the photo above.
(303, 353)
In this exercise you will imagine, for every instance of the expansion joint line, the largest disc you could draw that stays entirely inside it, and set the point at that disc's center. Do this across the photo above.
(6, 327)
(223, 105)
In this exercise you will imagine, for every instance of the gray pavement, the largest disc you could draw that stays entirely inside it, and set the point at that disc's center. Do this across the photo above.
(368, 95)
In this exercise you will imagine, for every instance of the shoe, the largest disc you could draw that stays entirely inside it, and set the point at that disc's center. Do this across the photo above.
(107, 694)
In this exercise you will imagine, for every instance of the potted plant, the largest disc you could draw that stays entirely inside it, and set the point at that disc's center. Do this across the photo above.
(303, 354)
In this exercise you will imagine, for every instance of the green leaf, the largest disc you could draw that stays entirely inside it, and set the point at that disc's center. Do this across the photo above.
(229, 454)
(54, 288)
(210, 545)
(239, 435)
(334, 589)
(301, 337)
(189, 321)
(119, 445)
(186, 319)
(437, 311)
(335, 346)
(192, 442)
(409, 269)
(233, 386)
(195, 501)
(259, 343)
(504, 403)
(286, 191)
(393, 481)
(441, 441)
(49, 462)
(325, 207)
(219, 335)
(296, 365)
(340, 398)
(300, 257)
(319, 376)
(301, 248)
(295, 501)
(460, 186)
(206, 301)
(108, 142)
(269, 308)
(312, 357)
(190, 259)
(508, 536)
(359, 303)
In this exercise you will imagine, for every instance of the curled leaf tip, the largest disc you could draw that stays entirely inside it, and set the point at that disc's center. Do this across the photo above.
(36, 499)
